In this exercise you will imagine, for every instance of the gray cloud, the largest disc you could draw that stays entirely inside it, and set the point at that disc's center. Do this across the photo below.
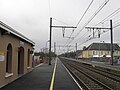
(31, 18)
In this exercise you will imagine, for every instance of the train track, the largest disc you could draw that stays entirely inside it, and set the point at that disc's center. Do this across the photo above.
(105, 72)
(91, 78)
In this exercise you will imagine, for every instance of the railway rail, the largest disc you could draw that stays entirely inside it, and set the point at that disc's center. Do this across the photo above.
(91, 77)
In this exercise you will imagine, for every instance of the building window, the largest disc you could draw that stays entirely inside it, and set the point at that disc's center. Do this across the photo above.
(9, 59)
(28, 61)
(94, 52)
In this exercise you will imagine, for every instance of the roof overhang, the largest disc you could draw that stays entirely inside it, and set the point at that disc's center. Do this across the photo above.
(14, 32)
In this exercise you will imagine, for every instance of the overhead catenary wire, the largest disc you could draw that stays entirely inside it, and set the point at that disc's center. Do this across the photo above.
(83, 35)
(112, 14)
(101, 34)
(116, 26)
(96, 12)
(104, 20)
(59, 21)
(117, 21)
(86, 39)
(109, 16)
(65, 24)
(63, 27)
(113, 28)
(84, 13)
(81, 19)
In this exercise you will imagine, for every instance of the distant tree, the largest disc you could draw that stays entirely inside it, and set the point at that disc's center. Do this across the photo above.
(42, 55)
(84, 47)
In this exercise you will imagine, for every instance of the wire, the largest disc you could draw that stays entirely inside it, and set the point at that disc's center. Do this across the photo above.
(113, 13)
(60, 21)
(85, 12)
(104, 20)
(81, 18)
(116, 25)
(65, 24)
(97, 11)
(117, 21)
(79, 39)
(101, 34)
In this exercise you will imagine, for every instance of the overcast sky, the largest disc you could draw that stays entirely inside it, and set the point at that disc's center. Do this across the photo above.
(31, 18)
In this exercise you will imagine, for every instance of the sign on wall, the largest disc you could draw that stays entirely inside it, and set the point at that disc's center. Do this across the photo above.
(2, 56)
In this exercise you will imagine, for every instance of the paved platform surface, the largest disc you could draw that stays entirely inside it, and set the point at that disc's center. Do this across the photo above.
(104, 65)
(63, 80)
(40, 79)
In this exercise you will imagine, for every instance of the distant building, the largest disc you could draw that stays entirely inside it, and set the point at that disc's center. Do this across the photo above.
(36, 55)
(100, 50)
(79, 54)
(15, 54)
(37, 58)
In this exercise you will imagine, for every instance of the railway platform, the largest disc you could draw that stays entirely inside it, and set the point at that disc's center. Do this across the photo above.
(99, 64)
(103, 65)
(45, 77)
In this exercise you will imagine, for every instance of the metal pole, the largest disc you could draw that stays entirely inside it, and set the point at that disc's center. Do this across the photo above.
(46, 48)
(76, 47)
(93, 33)
(50, 41)
(76, 52)
(55, 48)
(111, 31)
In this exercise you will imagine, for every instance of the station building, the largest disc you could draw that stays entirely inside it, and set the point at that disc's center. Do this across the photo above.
(101, 50)
(15, 54)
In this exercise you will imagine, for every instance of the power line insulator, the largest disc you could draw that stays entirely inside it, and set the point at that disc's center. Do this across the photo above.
(98, 33)
(73, 30)
(63, 31)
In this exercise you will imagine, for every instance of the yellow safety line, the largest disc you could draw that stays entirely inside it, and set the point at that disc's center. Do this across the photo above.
(53, 76)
